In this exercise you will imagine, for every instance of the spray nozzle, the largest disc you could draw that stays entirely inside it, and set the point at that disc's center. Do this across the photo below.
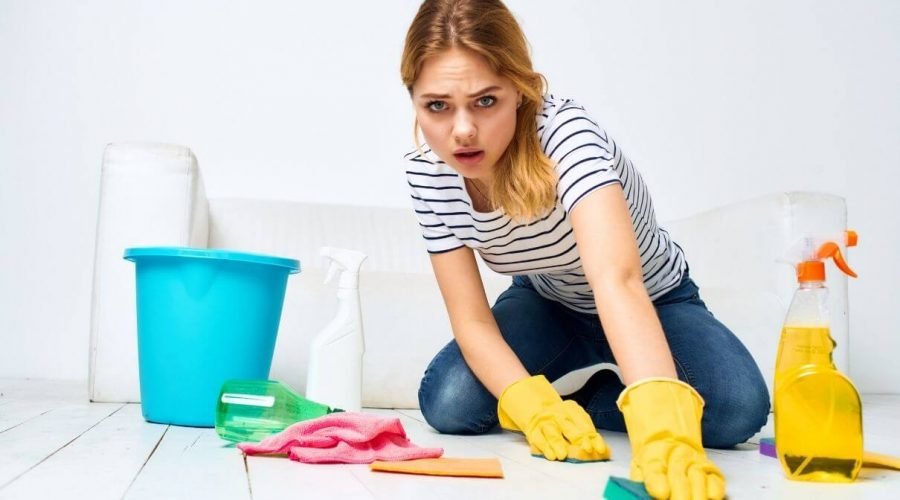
(347, 262)
(813, 250)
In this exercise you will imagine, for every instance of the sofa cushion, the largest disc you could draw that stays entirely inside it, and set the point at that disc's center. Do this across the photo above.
(404, 319)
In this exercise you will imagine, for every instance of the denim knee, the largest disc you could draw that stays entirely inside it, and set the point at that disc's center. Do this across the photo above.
(453, 401)
(736, 417)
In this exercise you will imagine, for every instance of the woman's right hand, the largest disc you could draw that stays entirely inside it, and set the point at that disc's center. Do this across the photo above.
(555, 429)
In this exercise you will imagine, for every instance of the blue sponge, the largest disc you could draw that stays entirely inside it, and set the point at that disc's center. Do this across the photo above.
(619, 488)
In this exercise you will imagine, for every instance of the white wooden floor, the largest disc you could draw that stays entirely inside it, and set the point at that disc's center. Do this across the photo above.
(54, 444)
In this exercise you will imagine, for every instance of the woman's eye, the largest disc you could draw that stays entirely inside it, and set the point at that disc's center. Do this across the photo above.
(486, 101)
(437, 105)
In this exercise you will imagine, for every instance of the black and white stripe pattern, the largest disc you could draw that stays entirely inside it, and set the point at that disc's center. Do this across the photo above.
(586, 160)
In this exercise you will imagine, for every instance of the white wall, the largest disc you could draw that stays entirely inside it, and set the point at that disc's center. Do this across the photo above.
(714, 101)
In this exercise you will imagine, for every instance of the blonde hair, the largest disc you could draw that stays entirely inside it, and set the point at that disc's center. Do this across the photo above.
(524, 182)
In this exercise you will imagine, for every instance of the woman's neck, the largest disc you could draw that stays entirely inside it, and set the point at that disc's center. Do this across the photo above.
(479, 192)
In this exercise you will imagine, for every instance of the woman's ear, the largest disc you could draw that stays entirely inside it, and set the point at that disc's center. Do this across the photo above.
(518, 99)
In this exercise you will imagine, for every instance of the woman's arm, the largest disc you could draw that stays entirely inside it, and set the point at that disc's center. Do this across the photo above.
(609, 254)
(555, 429)
(474, 327)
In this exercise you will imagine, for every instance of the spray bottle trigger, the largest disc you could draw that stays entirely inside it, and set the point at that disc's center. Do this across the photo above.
(332, 270)
(831, 250)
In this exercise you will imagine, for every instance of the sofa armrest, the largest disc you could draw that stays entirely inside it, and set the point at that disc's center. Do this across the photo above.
(150, 194)
(736, 255)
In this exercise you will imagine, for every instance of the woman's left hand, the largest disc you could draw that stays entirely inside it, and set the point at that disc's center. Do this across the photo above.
(663, 420)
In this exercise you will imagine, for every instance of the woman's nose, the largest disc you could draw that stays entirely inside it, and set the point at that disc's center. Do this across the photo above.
(464, 128)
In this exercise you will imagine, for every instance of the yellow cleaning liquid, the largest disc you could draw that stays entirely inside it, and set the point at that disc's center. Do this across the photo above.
(818, 414)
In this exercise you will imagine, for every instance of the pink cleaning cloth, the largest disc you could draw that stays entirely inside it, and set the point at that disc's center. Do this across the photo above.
(343, 437)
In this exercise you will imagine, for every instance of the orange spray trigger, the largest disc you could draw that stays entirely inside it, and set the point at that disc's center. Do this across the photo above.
(831, 250)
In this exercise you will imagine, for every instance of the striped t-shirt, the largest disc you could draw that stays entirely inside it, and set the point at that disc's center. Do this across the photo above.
(586, 159)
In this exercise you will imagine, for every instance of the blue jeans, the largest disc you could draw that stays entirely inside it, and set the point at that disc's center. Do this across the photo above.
(552, 340)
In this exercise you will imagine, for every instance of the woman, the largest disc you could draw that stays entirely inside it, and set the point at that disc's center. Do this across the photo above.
(533, 184)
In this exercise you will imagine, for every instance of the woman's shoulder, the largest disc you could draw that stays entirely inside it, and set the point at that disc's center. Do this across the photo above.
(553, 103)
(422, 162)
(557, 109)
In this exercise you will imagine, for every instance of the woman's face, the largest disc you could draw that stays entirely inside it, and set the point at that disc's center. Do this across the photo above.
(467, 112)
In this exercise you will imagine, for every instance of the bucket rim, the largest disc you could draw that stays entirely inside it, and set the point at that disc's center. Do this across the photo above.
(135, 253)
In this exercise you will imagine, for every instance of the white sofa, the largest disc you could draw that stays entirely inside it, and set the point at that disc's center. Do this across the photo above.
(152, 194)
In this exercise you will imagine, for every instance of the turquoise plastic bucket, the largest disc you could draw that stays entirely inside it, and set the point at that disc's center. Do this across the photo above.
(203, 316)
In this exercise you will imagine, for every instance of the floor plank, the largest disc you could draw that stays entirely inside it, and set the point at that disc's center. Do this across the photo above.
(29, 443)
(277, 478)
(98, 463)
(191, 463)
(54, 444)
(16, 413)
(23, 400)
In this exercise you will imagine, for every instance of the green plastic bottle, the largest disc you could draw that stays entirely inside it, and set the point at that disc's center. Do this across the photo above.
(251, 410)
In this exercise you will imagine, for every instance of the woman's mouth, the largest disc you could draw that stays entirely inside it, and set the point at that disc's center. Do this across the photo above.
(469, 157)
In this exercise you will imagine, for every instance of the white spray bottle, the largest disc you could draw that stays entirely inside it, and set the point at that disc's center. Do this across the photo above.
(335, 361)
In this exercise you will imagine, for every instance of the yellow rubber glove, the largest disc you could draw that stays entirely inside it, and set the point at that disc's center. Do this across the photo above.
(663, 420)
(556, 429)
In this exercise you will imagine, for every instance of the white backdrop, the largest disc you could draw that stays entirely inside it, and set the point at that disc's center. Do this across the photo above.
(714, 101)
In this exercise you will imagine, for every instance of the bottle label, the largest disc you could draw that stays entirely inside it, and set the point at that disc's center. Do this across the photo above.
(248, 400)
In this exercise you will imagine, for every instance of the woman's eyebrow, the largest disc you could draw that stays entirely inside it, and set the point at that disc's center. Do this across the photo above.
(492, 88)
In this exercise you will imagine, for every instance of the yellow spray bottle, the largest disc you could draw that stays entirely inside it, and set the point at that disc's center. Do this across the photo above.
(818, 414)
